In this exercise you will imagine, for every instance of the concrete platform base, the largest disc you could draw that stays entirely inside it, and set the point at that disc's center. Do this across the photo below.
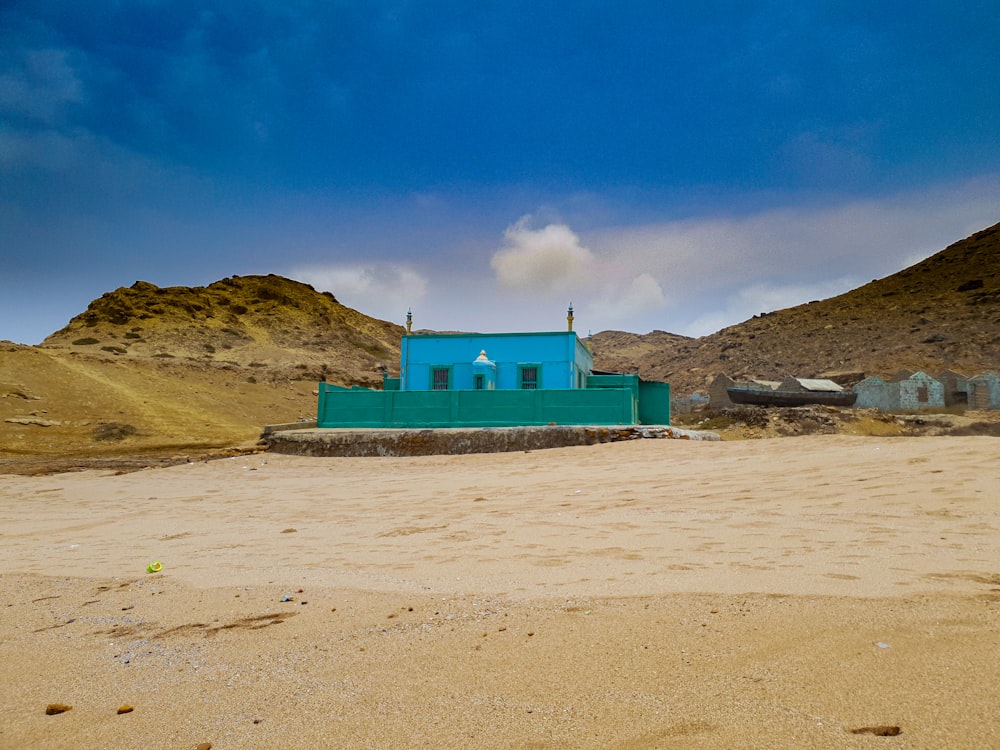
(314, 441)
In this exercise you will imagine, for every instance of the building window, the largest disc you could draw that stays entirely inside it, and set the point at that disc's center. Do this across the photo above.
(440, 378)
(529, 377)
(479, 382)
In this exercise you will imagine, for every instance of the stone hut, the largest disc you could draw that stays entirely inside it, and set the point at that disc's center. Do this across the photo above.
(919, 391)
(984, 391)
(956, 387)
(717, 396)
(906, 391)
(875, 393)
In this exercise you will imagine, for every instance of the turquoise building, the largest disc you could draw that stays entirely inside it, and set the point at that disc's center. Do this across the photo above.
(496, 380)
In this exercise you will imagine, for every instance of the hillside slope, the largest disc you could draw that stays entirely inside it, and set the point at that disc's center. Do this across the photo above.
(279, 326)
(183, 370)
(943, 312)
(57, 405)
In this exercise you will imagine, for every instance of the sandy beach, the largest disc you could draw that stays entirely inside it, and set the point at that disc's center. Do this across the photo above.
(821, 592)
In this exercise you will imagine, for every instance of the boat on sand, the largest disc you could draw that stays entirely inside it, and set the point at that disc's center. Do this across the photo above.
(781, 397)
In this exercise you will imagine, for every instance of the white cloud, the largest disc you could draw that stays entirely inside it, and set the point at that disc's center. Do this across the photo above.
(711, 272)
(381, 290)
(793, 244)
(543, 260)
(552, 261)
(718, 271)
(642, 296)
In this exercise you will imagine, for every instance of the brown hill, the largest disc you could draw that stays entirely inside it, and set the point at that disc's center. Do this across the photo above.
(283, 327)
(182, 370)
(621, 351)
(942, 313)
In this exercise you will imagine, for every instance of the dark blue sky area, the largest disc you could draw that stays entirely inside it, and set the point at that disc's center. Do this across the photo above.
(357, 141)
(361, 95)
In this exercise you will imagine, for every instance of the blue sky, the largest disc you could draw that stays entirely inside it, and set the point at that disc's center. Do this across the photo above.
(674, 166)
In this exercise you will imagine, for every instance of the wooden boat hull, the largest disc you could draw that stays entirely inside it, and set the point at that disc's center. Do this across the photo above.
(762, 397)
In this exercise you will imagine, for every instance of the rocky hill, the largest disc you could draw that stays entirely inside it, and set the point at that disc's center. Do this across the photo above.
(280, 327)
(174, 372)
(943, 312)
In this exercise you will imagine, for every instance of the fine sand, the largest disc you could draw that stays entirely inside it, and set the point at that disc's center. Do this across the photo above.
(818, 592)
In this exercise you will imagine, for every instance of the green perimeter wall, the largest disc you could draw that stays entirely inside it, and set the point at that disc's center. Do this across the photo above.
(607, 399)
(364, 408)
(654, 402)
(652, 398)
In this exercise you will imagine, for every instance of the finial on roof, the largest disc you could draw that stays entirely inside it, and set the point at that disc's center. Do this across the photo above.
(409, 320)
(482, 357)
(569, 317)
